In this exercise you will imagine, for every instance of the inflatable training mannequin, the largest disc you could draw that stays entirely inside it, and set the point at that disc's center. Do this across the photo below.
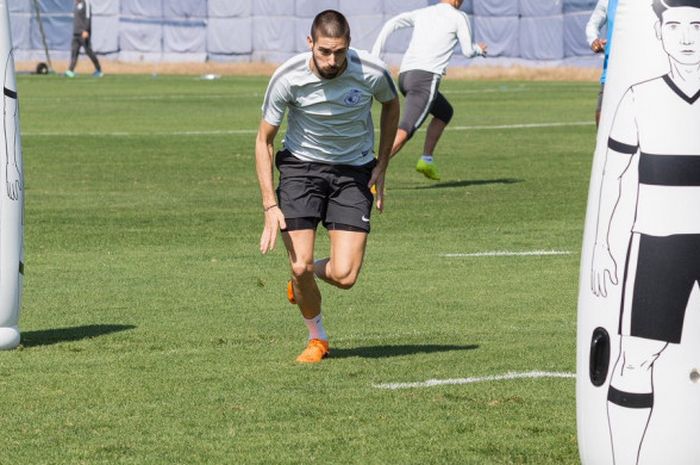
(11, 194)
(638, 357)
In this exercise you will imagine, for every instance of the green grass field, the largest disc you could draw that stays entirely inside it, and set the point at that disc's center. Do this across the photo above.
(155, 333)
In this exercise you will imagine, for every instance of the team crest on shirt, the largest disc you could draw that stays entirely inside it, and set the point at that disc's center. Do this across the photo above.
(353, 97)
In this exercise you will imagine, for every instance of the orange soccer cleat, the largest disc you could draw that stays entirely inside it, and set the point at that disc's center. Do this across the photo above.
(290, 293)
(316, 350)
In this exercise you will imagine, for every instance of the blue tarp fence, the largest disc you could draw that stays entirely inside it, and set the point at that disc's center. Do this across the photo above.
(540, 32)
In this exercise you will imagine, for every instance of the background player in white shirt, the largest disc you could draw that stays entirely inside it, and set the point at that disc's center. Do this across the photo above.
(603, 15)
(327, 165)
(595, 24)
(436, 31)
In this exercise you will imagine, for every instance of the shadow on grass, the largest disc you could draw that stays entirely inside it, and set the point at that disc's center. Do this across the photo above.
(47, 337)
(396, 350)
(470, 182)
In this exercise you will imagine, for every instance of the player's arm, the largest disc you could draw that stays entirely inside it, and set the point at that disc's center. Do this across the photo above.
(388, 123)
(464, 36)
(264, 166)
(87, 20)
(400, 21)
(595, 24)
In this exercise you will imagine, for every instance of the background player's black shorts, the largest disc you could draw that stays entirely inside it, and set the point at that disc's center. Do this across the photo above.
(422, 98)
(666, 272)
(337, 195)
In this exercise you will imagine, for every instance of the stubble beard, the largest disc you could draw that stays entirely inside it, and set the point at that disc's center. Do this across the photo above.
(325, 74)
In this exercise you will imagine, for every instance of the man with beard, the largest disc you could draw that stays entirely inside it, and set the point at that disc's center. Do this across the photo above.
(326, 165)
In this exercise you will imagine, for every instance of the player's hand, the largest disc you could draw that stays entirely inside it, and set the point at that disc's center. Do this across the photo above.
(598, 45)
(274, 221)
(376, 184)
(603, 269)
(483, 47)
(85, 35)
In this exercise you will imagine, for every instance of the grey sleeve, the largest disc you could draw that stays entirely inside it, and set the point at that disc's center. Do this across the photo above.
(82, 18)
(275, 102)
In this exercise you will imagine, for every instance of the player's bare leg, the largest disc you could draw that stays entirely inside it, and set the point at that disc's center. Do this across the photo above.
(631, 396)
(342, 267)
(425, 164)
(300, 247)
(399, 141)
(435, 130)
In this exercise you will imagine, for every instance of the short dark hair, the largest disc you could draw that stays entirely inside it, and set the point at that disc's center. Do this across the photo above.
(330, 23)
(660, 6)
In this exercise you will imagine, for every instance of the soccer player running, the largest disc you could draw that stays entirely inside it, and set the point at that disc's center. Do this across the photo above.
(659, 119)
(327, 163)
(436, 31)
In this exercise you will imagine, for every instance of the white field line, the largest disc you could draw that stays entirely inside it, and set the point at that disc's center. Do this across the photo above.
(481, 379)
(485, 91)
(226, 132)
(520, 126)
(222, 132)
(201, 96)
(503, 90)
(507, 253)
(123, 98)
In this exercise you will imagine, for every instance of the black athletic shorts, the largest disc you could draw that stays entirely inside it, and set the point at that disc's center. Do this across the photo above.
(422, 98)
(660, 274)
(337, 195)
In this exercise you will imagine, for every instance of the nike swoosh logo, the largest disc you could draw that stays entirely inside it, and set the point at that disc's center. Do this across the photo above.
(365, 219)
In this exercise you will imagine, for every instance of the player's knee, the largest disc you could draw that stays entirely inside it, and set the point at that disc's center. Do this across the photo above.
(446, 114)
(449, 114)
(399, 141)
(344, 278)
(302, 270)
(401, 136)
(407, 130)
(442, 110)
(346, 282)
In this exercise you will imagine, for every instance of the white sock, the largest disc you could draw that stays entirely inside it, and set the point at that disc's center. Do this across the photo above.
(427, 158)
(316, 329)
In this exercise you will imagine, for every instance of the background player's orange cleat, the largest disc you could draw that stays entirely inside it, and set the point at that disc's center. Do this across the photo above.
(290, 292)
(316, 350)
